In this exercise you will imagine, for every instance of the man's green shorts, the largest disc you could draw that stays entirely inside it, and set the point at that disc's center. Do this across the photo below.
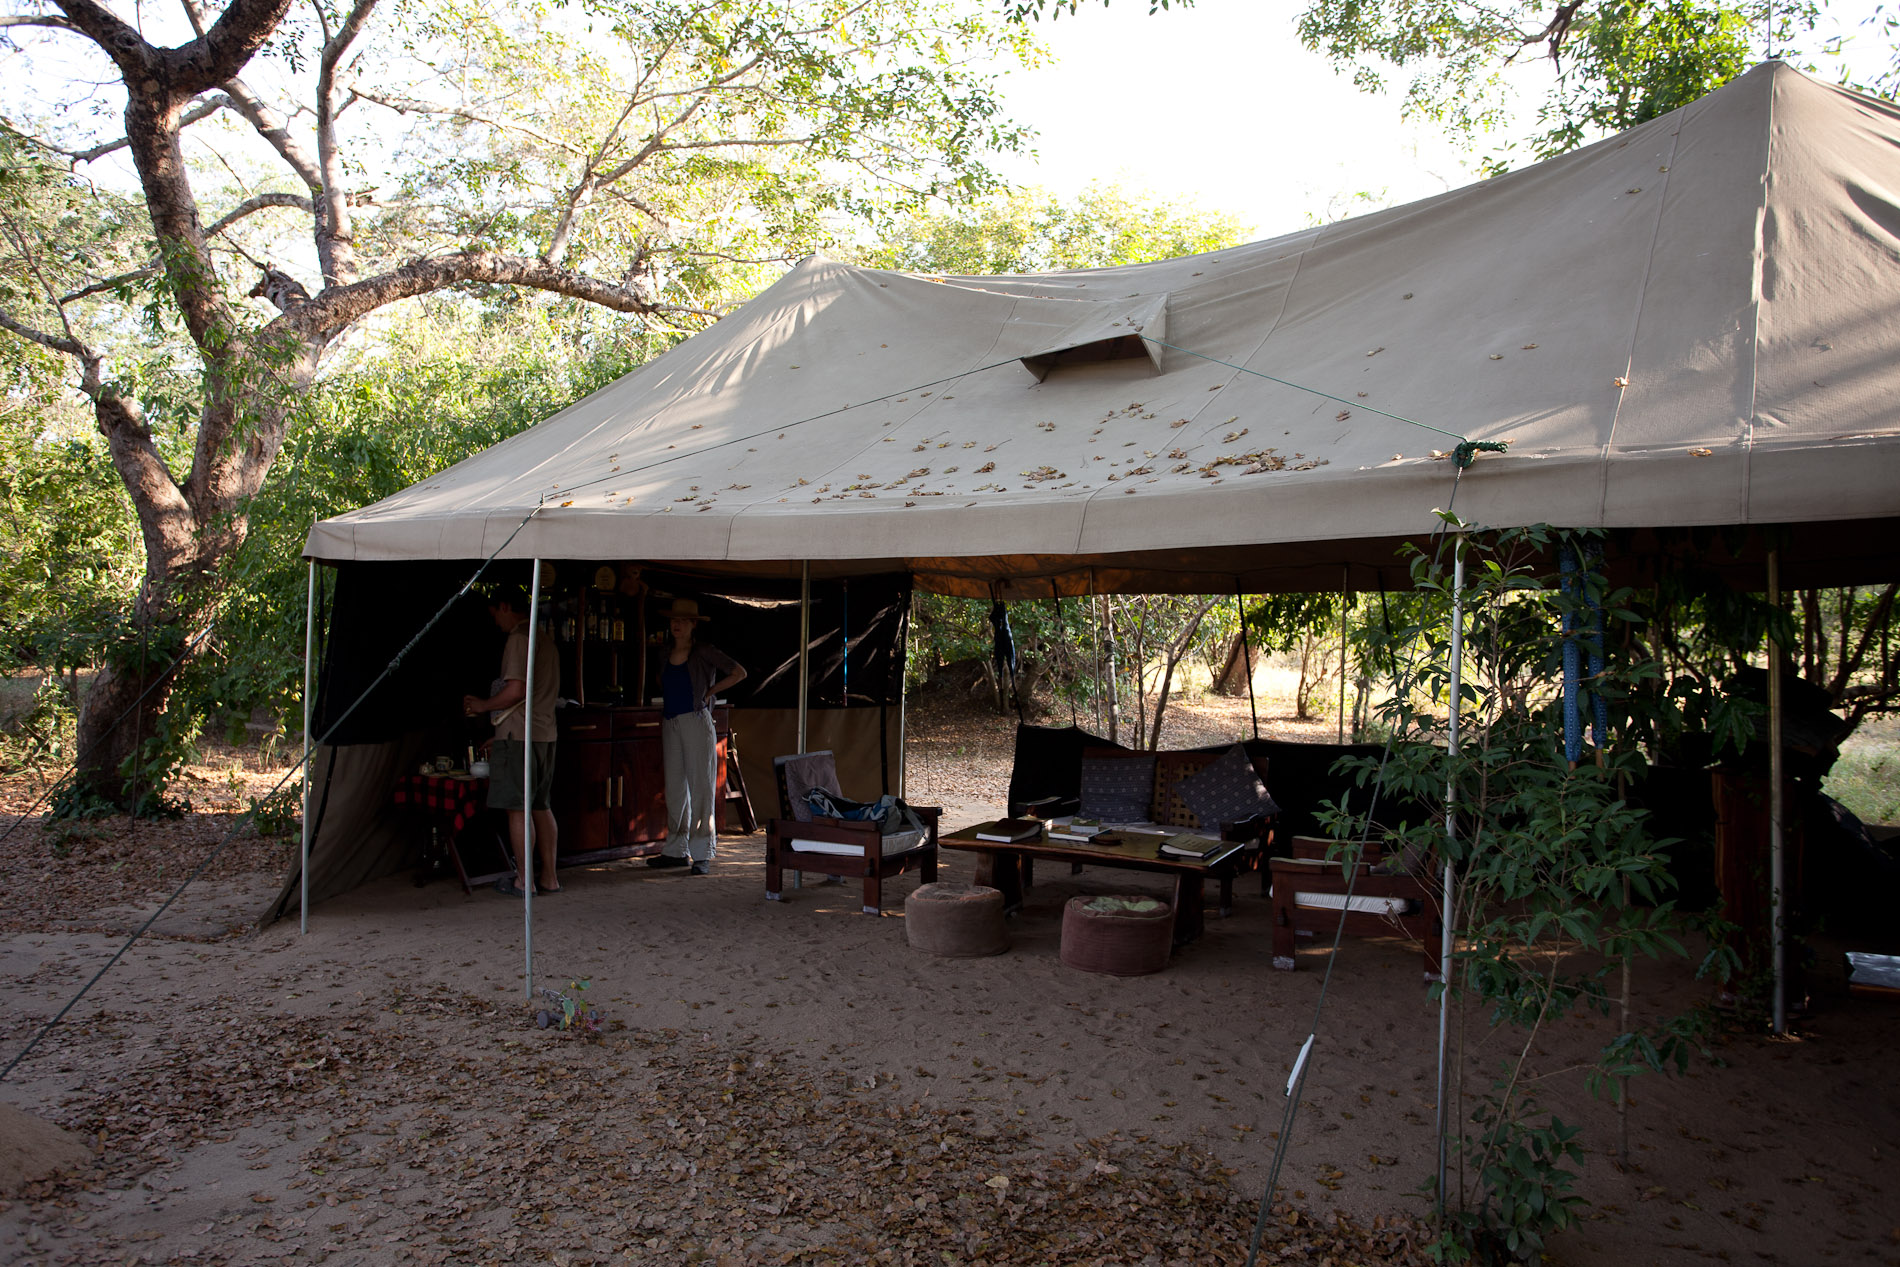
(504, 774)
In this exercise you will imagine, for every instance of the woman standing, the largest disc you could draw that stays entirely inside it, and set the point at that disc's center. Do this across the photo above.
(692, 676)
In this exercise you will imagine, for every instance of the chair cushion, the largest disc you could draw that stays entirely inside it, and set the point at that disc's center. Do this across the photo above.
(1118, 788)
(1367, 905)
(802, 774)
(1227, 791)
(896, 842)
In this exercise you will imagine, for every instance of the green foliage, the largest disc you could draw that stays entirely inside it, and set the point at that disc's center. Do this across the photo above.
(1621, 62)
(703, 142)
(1033, 231)
(277, 813)
(1866, 779)
(1035, 10)
(70, 554)
(41, 735)
(1557, 881)
(444, 387)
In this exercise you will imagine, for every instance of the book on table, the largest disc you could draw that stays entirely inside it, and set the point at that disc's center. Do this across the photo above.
(1187, 845)
(1075, 830)
(1010, 830)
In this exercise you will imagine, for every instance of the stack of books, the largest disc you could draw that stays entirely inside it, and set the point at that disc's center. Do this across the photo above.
(1010, 830)
(1187, 845)
(1075, 830)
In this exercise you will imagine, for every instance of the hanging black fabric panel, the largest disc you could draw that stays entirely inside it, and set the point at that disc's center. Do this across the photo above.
(758, 627)
(378, 608)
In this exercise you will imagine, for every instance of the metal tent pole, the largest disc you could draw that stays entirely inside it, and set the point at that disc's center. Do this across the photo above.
(1345, 580)
(526, 881)
(309, 644)
(1451, 835)
(804, 673)
(903, 711)
(804, 651)
(1776, 808)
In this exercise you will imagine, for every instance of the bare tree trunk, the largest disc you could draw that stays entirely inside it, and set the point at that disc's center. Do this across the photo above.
(1175, 654)
(1232, 678)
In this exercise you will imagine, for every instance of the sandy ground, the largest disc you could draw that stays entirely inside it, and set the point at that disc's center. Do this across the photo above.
(789, 1082)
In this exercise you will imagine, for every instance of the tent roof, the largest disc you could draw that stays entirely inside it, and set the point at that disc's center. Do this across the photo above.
(1690, 323)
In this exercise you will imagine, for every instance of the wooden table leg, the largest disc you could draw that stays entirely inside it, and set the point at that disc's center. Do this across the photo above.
(1003, 873)
(1187, 908)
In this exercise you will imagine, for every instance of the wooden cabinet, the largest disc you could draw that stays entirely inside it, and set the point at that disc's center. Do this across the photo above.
(610, 782)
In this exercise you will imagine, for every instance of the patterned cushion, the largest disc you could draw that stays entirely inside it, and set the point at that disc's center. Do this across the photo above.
(1171, 808)
(1118, 788)
(1227, 791)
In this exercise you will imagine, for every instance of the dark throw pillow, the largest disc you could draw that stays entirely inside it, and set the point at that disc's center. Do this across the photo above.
(1226, 792)
(1118, 789)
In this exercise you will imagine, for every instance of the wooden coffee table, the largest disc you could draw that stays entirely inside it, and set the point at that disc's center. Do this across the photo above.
(999, 865)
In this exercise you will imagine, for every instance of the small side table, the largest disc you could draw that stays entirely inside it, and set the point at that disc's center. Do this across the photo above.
(452, 803)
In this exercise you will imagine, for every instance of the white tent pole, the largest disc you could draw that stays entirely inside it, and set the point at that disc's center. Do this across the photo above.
(1345, 580)
(1776, 808)
(1451, 835)
(526, 881)
(903, 718)
(804, 650)
(309, 644)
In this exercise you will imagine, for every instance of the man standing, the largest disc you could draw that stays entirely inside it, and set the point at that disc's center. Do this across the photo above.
(509, 608)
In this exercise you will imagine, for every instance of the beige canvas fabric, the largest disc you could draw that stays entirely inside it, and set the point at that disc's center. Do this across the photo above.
(1691, 323)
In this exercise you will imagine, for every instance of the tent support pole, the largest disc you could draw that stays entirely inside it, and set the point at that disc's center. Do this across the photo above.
(804, 672)
(526, 880)
(1776, 808)
(1345, 579)
(804, 651)
(309, 645)
(1451, 835)
(903, 713)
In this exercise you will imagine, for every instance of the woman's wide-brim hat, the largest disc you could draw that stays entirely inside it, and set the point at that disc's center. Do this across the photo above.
(684, 609)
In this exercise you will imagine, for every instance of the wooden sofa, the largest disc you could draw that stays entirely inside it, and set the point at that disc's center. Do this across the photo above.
(1046, 781)
(1310, 899)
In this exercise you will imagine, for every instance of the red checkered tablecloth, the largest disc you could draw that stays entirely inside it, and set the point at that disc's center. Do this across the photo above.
(455, 799)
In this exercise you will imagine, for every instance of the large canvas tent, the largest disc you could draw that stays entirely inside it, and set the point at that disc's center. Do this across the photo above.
(1688, 326)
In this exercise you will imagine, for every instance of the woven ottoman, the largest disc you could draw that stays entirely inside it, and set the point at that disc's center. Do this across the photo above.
(957, 921)
(1120, 936)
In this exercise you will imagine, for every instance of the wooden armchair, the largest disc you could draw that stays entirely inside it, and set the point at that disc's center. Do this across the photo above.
(1309, 898)
(797, 840)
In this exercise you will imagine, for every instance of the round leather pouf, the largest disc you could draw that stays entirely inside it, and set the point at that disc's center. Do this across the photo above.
(957, 921)
(1121, 936)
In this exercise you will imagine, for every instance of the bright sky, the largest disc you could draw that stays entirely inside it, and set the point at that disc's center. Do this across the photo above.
(1220, 104)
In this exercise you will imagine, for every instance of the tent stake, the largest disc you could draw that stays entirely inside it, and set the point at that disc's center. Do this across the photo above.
(1451, 835)
(526, 881)
(1776, 808)
(309, 643)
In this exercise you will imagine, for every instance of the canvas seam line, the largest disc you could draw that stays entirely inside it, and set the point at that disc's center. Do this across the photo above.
(1286, 296)
(1642, 298)
(783, 426)
(1015, 302)
(1757, 267)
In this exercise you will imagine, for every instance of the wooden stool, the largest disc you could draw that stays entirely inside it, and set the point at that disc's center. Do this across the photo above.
(1120, 936)
(956, 921)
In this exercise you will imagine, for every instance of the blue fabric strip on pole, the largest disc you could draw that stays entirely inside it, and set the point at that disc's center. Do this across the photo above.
(1573, 712)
